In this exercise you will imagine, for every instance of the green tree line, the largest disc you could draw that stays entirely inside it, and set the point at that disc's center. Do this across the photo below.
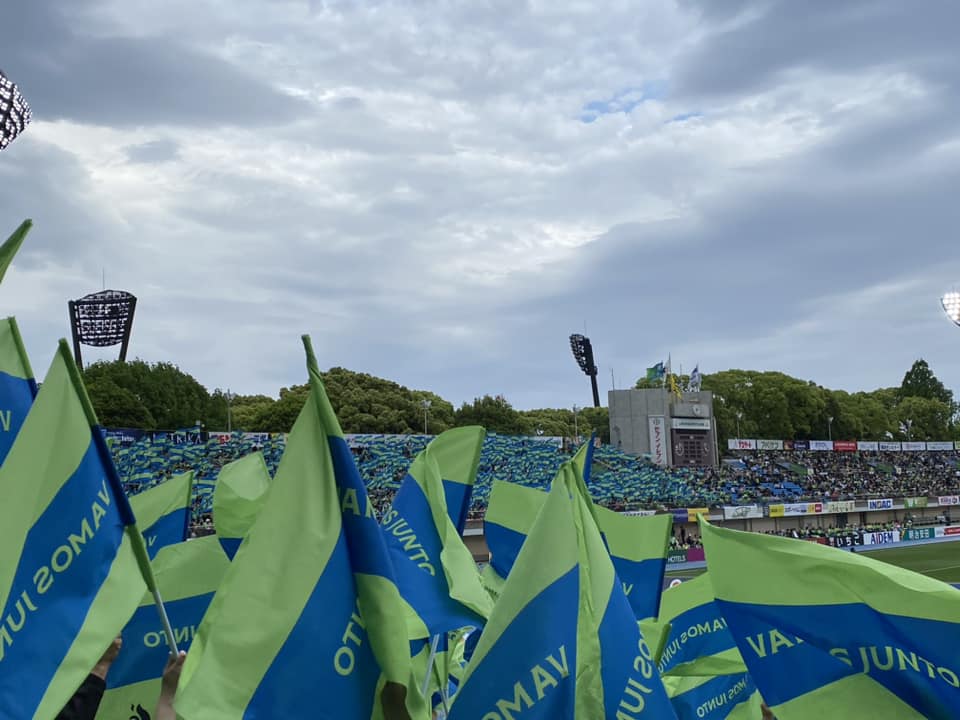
(772, 405)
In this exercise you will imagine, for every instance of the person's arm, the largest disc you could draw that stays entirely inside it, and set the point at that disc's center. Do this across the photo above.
(168, 688)
(86, 700)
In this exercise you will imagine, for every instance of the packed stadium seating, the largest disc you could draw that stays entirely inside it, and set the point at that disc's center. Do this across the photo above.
(619, 481)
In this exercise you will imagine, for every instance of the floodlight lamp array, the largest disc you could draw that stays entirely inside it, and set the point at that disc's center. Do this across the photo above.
(14, 111)
(951, 306)
(583, 353)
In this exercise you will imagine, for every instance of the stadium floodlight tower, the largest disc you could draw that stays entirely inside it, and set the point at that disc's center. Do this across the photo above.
(14, 111)
(583, 353)
(951, 306)
(102, 319)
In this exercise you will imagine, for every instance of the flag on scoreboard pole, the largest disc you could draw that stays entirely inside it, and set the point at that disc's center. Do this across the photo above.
(237, 498)
(562, 642)
(188, 574)
(826, 632)
(17, 386)
(164, 512)
(435, 572)
(308, 620)
(72, 561)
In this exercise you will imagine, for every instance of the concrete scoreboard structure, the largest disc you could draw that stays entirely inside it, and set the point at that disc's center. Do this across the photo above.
(674, 432)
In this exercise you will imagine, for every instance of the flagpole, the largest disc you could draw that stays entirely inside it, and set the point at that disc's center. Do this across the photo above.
(444, 694)
(433, 656)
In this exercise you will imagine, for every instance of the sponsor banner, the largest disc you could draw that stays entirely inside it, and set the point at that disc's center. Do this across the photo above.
(885, 537)
(840, 506)
(742, 512)
(890, 447)
(818, 540)
(821, 445)
(843, 541)
(677, 556)
(693, 512)
(640, 513)
(801, 445)
(789, 445)
(919, 534)
(769, 444)
(948, 500)
(845, 445)
(740, 444)
(697, 555)
(220, 437)
(794, 509)
(939, 446)
(680, 515)
(658, 440)
(868, 446)
(124, 437)
(952, 530)
(915, 502)
(914, 446)
(690, 424)
(884, 504)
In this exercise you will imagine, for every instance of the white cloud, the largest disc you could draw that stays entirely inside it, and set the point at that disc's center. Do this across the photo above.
(432, 208)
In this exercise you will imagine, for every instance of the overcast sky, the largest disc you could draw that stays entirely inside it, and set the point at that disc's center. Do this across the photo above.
(441, 192)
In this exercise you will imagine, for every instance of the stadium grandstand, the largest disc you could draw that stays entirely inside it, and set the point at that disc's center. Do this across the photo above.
(619, 481)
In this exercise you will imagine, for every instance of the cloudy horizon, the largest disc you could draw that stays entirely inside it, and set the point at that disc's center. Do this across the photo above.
(441, 193)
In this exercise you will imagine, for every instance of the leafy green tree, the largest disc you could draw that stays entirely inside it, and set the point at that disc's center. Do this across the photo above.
(172, 398)
(244, 411)
(495, 414)
(117, 407)
(927, 418)
(920, 382)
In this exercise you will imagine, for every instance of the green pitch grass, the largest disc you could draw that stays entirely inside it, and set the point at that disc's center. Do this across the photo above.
(938, 560)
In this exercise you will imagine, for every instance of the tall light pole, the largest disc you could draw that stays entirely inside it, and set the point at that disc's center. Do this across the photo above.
(229, 398)
(739, 415)
(830, 428)
(583, 354)
(426, 409)
(576, 430)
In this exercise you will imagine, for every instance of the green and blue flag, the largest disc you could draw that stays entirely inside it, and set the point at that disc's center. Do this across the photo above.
(459, 472)
(698, 658)
(435, 571)
(17, 386)
(697, 641)
(11, 245)
(637, 544)
(72, 562)
(717, 697)
(563, 641)
(308, 620)
(188, 574)
(237, 498)
(163, 512)
(826, 633)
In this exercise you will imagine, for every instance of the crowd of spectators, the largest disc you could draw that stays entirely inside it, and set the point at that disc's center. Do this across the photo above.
(619, 481)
